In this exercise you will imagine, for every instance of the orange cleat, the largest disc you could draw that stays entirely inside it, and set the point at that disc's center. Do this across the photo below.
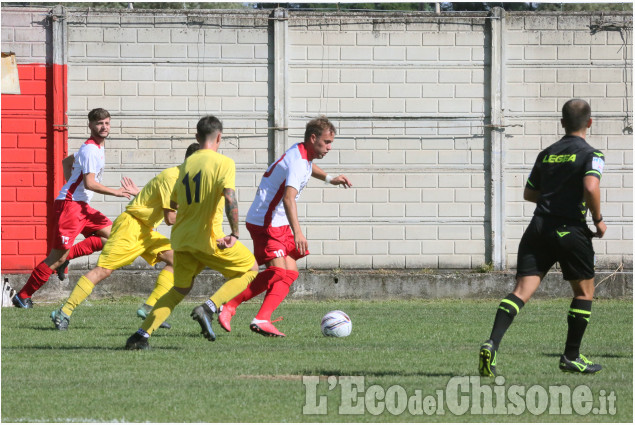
(265, 328)
(225, 317)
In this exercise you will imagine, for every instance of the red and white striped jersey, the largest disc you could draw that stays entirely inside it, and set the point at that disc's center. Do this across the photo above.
(90, 158)
(292, 169)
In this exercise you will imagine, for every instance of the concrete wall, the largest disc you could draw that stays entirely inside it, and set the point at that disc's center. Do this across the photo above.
(408, 97)
(550, 59)
(409, 93)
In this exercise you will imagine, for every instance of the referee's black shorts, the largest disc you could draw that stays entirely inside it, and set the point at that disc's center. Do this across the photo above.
(547, 240)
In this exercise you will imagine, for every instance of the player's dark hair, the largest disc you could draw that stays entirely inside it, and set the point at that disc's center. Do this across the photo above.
(576, 113)
(98, 114)
(206, 126)
(191, 149)
(317, 126)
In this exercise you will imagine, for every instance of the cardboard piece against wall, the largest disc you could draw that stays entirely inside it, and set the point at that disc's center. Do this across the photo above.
(10, 80)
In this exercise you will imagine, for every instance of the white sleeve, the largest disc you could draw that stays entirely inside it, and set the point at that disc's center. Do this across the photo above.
(89, 159)
(295, 175)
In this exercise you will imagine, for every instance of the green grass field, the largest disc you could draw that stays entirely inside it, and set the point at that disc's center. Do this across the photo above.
(86, 375)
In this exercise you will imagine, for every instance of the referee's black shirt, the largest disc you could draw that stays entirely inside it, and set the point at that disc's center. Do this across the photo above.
(558, 174)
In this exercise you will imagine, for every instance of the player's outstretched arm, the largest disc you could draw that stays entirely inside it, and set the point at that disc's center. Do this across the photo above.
(231, 211)
(340, 180)
(91, 184)
(291, 209)
(67, 166)
(129, 186)
(592, 198)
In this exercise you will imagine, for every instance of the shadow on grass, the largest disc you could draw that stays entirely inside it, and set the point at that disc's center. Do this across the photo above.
(73, 348)
(78, 328)
(606, 355)
(368, 373)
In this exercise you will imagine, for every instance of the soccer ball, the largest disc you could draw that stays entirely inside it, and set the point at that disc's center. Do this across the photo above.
(336, 323)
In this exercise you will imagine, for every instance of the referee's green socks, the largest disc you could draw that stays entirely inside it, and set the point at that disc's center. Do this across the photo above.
(578, 319)
(508, 309)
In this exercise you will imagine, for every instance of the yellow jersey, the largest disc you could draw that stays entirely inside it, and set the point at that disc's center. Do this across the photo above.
(148, 205)
(198, 192)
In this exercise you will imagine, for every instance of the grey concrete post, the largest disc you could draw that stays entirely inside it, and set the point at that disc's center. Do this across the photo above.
(497, 154)
(59, 35)
(59, 95)
(280, 81)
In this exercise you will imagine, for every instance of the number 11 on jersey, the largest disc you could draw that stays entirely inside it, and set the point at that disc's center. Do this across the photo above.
(197, 187)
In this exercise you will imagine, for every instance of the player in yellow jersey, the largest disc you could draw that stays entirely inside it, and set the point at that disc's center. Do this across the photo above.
(132, 235)
(205, 179)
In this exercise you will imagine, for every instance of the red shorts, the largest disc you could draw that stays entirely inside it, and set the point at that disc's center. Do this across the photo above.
(273, 242)
(74, 218)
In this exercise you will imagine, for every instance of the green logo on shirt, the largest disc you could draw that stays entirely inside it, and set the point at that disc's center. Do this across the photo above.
(555, 159)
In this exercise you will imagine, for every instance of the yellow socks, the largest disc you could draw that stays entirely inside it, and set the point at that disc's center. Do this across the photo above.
(165, 282)
(162, 310)
(81, 291)
(232, 287)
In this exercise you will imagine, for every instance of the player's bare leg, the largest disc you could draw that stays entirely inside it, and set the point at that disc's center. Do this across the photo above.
(81, 291)
(39, 277)
(56, 257)
(526, 286)
(84, 288)
(578, 318)
(92, 243)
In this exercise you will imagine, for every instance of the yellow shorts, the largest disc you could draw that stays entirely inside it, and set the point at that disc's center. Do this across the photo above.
(129, 239)
(229, 262)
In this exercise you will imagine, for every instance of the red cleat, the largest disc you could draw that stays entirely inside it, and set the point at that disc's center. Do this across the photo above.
(265, 328)
(225, 317)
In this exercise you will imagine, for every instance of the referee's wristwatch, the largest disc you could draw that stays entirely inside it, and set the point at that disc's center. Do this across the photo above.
(598, 220)
(236, 236)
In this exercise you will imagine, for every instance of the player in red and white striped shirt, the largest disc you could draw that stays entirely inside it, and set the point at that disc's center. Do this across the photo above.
(73, 214)
(273, 224)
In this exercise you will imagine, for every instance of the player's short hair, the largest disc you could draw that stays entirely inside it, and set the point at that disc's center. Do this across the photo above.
(206, 126)
(191, 149)
(98, 114)
(317, 126)
(576, 113)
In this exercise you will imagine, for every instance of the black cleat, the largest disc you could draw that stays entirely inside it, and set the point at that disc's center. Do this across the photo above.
(143, 312)
(204, 316)
(487, 359)
(137, 342)
(579, 365)
(61, 273)
(22, 302)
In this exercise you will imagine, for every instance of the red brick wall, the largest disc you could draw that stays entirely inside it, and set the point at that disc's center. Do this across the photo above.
(27, 169)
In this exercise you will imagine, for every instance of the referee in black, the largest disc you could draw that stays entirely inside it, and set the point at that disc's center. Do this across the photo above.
(565, 184)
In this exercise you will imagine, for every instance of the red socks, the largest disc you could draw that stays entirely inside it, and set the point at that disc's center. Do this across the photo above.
(42, 272)
(260, 284)
(276, 281)
(39, 277)
(276, 293)
(85, 247)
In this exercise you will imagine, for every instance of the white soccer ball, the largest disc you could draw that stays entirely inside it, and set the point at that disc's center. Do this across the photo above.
(336, 323)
